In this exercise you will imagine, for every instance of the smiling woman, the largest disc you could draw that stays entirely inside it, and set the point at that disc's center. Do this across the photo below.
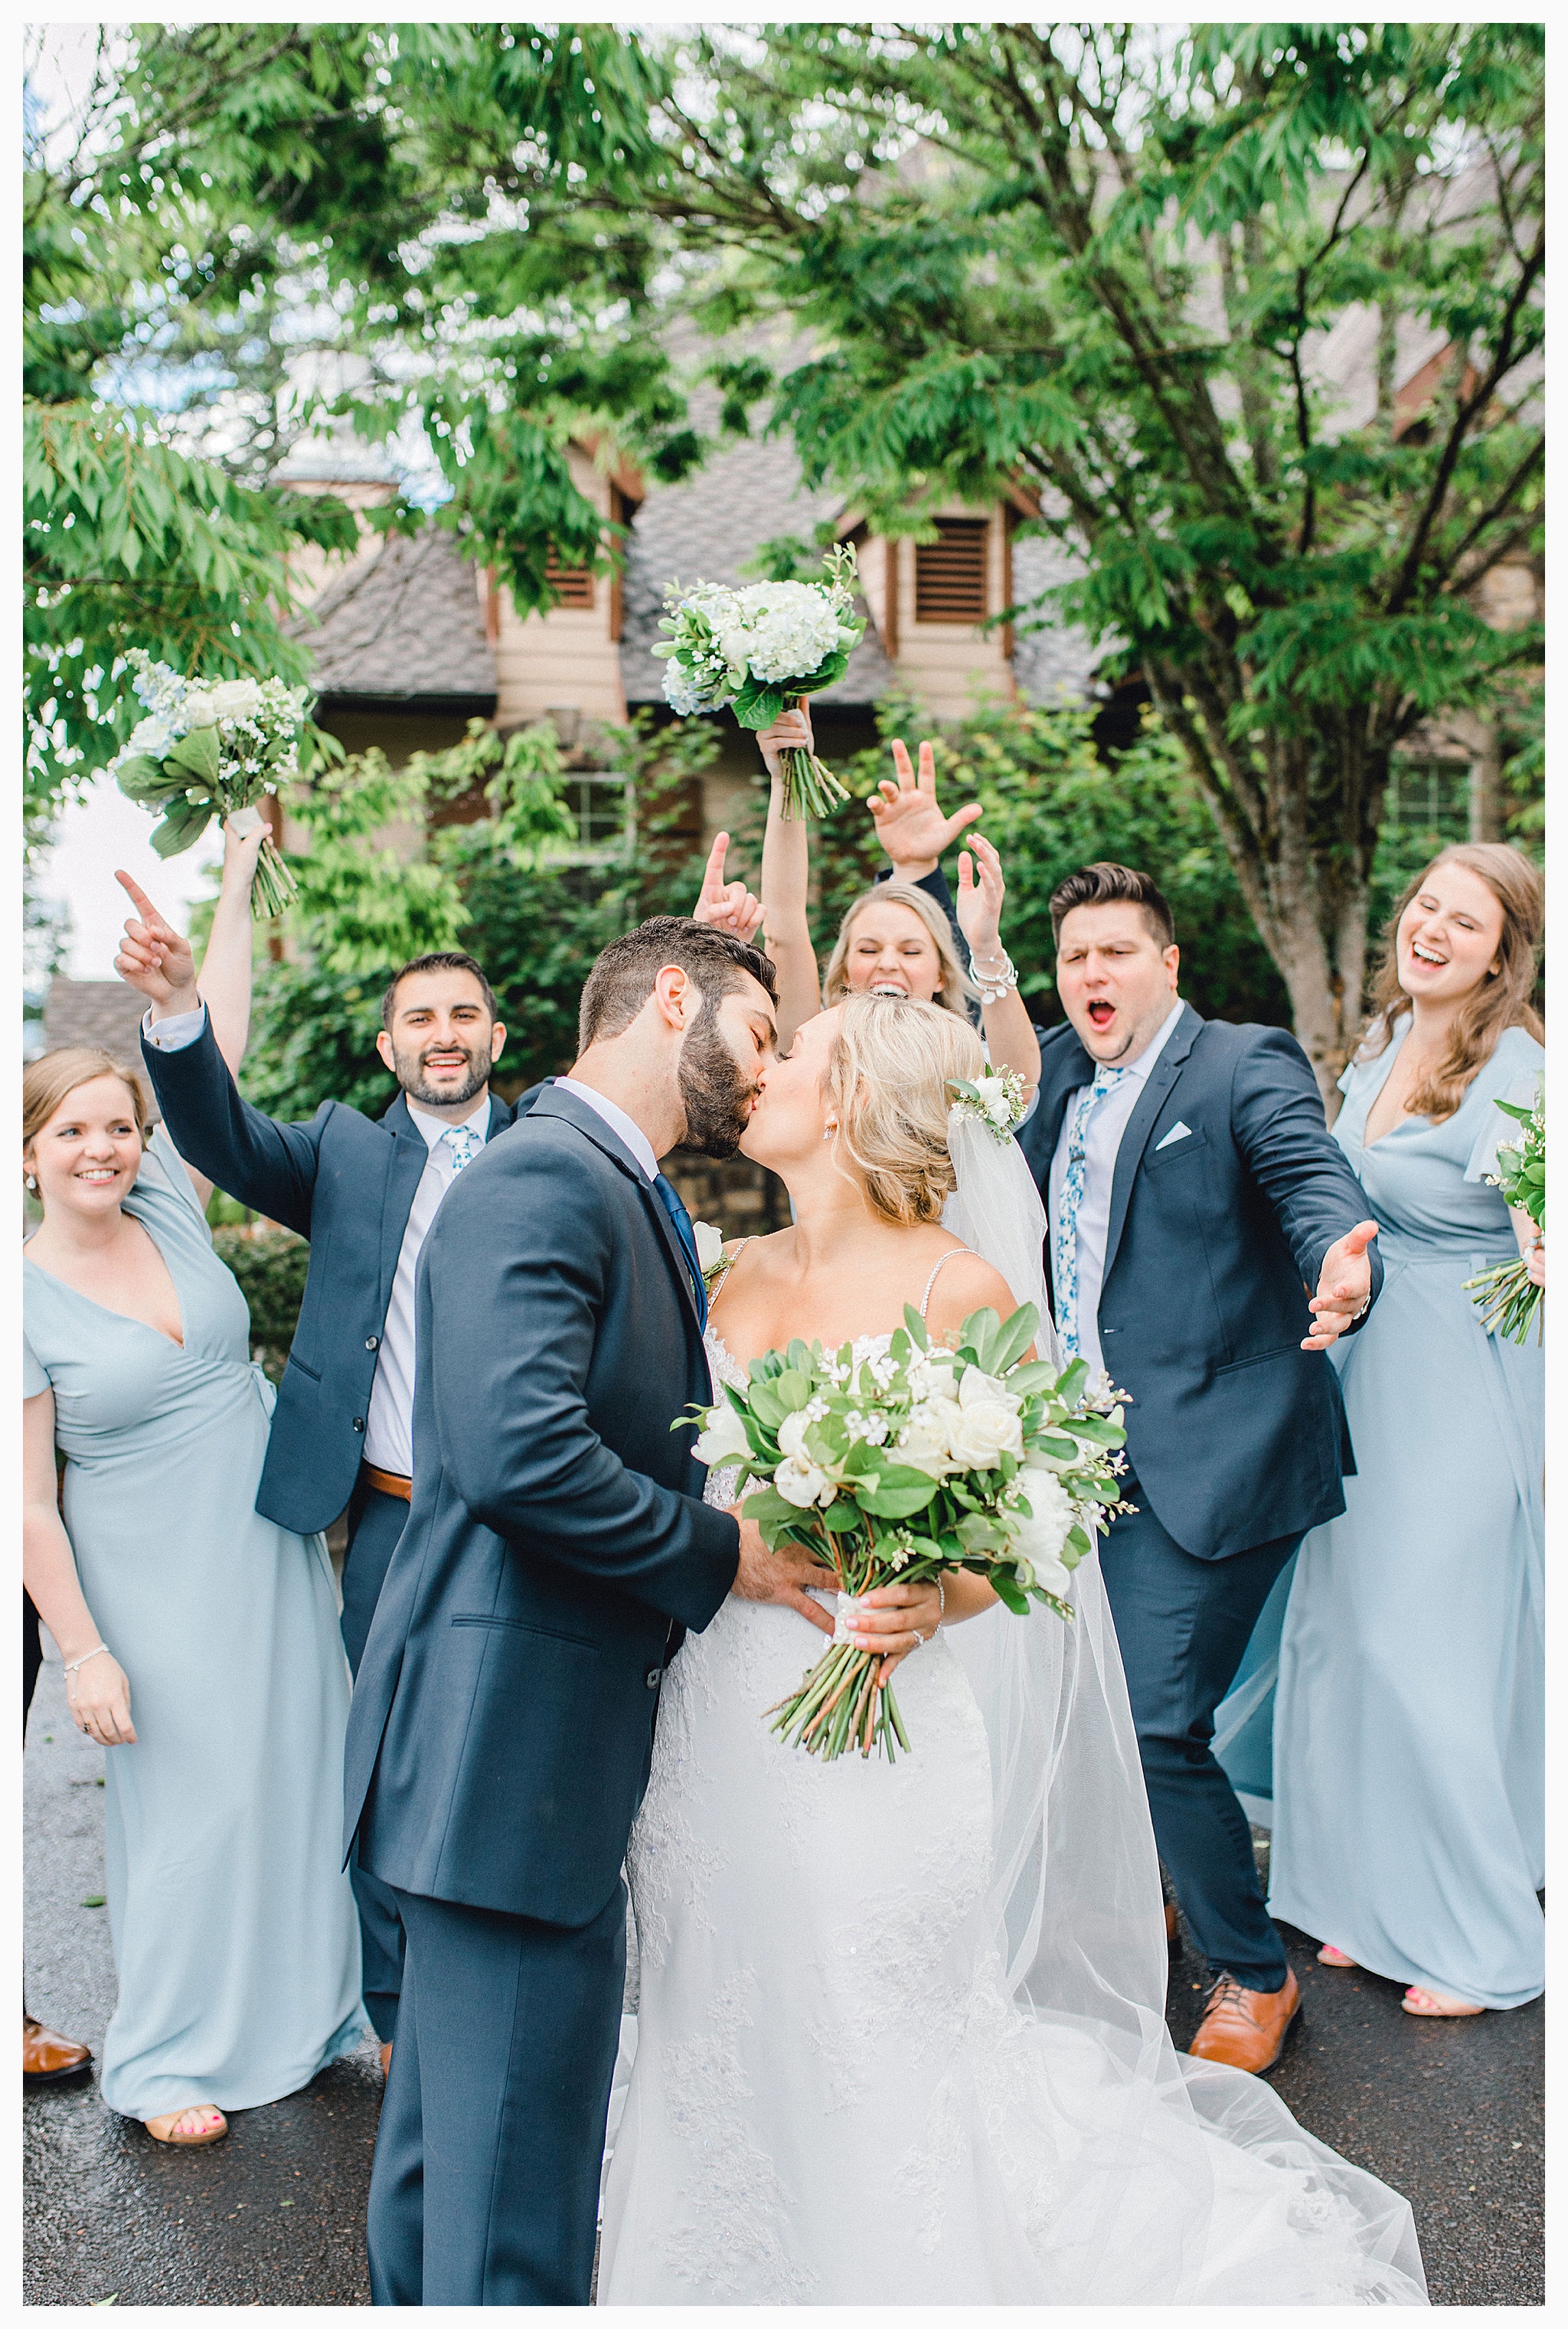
(160, 1582)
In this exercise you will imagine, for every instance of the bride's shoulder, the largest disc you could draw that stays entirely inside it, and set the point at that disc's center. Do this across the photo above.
(965, 1283)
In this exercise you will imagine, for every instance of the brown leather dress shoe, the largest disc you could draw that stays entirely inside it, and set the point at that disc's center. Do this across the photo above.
(47, 2057)
(1246, 2027)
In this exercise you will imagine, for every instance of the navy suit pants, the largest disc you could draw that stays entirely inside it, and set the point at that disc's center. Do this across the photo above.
(375, 1523)
(485, 2184)
(1183, 1626)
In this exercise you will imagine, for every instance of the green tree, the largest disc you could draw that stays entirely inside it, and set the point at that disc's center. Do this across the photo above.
(1108, 263)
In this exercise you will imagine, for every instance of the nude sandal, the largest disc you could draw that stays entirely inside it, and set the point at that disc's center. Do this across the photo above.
(1329, 1955)
(170, 2128)
(1431, 2004)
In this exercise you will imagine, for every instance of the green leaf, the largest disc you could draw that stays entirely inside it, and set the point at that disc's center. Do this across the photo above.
(1009, 1591)
(198, 753)
(915, 1327)
(771, 1511)
(183, 824)
(1070, 1387)
(1016, 1338)
(93, 1901)
(143, 778)
(793, 1390)
(900, 1491)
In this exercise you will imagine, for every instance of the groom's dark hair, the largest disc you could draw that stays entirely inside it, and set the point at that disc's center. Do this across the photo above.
(622, 979)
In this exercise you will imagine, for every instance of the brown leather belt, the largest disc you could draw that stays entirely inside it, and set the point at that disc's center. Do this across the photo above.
(391, 1484)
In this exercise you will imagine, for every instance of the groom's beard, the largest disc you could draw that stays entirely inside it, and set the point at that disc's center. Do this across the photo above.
(409, 1067)
(716, 1090)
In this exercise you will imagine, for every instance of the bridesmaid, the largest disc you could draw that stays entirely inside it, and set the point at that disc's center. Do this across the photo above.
(200, 1642)
(1408, 1726)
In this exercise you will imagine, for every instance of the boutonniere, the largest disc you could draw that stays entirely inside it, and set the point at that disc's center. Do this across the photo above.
(710, 1249)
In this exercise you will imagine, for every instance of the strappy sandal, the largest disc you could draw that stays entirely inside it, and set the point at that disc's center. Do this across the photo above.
(1432, 2005)
(170, 2128)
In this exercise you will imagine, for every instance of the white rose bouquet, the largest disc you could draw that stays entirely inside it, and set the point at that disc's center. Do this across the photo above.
(894, 1462)
(1508, 1300)
(759, 648)
(205, 751)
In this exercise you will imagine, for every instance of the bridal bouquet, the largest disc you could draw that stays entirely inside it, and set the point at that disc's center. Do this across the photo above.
(205, 751)
(757, 649)
(894, 1462)
(1506, 1299)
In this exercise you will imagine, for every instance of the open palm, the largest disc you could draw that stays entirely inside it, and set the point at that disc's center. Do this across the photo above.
(908, 820)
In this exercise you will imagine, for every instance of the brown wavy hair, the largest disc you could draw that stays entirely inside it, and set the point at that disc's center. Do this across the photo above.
(1502, 1000)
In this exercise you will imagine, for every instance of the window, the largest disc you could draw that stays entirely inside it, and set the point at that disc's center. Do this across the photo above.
(572, 585)
(950, 572)
(1426, 807)
(600, 804)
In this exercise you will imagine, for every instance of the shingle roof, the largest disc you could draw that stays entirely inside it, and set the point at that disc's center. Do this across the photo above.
(404, 626)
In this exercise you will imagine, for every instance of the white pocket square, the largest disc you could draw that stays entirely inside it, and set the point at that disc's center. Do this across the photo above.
(1177, 1132)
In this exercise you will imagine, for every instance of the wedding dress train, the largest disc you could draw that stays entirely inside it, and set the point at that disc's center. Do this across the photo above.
(901, 2035)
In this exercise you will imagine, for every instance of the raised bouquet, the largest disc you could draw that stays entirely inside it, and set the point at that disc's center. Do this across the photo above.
(896, 1462)
(1508, 1300)
(212, 751)
(757, 649)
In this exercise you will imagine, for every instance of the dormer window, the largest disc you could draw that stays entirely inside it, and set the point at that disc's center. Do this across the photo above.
(572, 585)
(950, 572)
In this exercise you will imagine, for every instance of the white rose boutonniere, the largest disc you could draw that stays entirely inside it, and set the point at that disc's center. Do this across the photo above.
(710, 1247)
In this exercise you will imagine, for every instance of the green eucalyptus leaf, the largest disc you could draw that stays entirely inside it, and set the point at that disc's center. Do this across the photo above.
(184, 821)
(199, 753)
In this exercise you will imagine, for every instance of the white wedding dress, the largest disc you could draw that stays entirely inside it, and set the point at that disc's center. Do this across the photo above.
(901, 2037)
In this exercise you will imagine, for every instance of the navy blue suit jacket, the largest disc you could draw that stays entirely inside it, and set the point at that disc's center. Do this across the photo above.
(347, 1184)
(556, 1546)
(1236, 1434)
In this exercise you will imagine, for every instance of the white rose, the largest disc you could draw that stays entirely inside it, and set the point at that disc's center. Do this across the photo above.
(803, 1483)
(725, 1441)
(984, 1434)
(1041, 1535)
(931, 1376)
(198, 709)
(925, 1443)
(977, 1390)
(231, 699)
(709, 1245)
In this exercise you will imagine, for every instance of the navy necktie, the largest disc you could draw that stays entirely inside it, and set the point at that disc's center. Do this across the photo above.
(683, 1227)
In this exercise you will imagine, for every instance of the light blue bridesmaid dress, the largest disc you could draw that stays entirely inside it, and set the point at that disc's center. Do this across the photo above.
(1409, 1720)
(235, 1938)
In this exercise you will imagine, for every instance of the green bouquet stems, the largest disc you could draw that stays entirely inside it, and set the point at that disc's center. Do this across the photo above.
(809, 786)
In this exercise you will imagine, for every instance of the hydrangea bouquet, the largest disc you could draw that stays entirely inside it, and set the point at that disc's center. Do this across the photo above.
(757, 649)
(896, 1461)
(1509, 1302)
(205, 751)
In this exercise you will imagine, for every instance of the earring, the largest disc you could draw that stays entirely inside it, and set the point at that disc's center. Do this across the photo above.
(828, 1130)
(31, 1181)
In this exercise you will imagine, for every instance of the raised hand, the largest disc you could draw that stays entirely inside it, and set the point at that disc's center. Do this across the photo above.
(790, 732)
(155, 959)
(911, 827)
(979, 901)
(727, 906)
(1344, 1287)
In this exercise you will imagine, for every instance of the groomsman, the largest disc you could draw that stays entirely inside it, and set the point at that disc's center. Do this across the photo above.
(1194, 1195)
(365, 1193)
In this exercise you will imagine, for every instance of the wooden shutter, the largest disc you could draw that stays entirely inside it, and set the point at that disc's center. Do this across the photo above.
(950, 572)
(572, 585)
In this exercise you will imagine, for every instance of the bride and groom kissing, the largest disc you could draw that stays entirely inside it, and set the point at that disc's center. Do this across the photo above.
(900, 2032)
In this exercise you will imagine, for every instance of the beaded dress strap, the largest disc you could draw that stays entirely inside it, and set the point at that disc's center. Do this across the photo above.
(952, 1255)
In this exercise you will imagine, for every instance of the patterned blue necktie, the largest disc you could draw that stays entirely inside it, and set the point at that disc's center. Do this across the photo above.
(684, 1231)
(463, 1145)
(1105, 1081)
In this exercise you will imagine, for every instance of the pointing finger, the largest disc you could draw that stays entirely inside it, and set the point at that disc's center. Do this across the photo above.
(714, 872)
(140, 899)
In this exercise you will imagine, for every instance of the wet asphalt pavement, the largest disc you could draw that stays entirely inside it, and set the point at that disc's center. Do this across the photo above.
(1450, 2113)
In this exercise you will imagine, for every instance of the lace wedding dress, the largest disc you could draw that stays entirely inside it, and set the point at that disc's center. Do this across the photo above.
(866, 2071)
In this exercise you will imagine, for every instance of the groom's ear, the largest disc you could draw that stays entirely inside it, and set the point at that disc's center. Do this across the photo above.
(676, 996)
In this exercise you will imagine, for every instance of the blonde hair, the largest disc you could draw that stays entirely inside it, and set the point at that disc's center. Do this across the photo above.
(956, 989)
(1500, 1001)
(47, 1083)
(887, 1076)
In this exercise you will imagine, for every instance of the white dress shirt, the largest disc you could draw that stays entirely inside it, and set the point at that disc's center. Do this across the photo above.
(389, 1422)
(619, 1123)
(1101, 1143)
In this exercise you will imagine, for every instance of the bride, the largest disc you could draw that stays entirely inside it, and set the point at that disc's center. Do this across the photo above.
(901, 2035)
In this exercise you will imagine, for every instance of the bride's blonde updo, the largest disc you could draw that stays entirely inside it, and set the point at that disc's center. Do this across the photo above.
(887, 1078)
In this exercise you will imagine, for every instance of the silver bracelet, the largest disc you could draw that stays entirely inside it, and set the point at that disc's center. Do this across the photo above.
(94, 1653)
(941, 1601)
(995, 985)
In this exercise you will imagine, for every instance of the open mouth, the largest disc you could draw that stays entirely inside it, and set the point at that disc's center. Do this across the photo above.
(889, 987)
(1102, 1014)
(96, 1173)
(1425, 954)
(435, 1062)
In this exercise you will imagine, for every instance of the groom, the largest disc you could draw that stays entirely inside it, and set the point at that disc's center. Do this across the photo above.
(1193, 1195)
(557, 1548)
